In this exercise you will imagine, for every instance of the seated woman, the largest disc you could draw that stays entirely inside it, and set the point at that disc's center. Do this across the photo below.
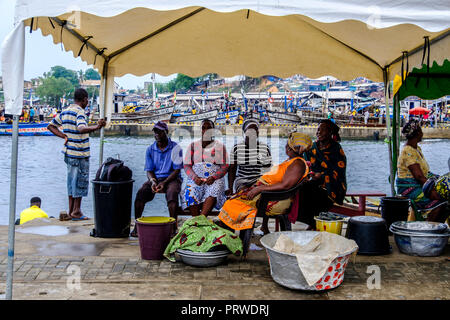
(240, 211)
(328, 183)
(249, 159)
(205, 165)
(413, 171)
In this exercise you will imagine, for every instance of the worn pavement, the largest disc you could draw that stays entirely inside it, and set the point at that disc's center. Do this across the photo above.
(112, 269)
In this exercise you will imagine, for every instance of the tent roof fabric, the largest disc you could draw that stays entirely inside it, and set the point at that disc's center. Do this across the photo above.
(416, 83)
(344, 39)
(292, 37)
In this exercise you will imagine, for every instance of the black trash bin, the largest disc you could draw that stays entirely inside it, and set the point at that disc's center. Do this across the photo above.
(112, 208)
(394, 209)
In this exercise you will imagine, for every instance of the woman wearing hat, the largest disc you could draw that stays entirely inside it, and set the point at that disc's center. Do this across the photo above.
(239, 211)
(412, 173)
(328, 165)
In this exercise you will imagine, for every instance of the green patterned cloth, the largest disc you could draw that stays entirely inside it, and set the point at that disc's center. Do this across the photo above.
(198, 234)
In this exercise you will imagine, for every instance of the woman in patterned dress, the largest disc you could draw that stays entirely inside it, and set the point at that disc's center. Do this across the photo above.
(412, 173)
(205, 166)
(328, 165)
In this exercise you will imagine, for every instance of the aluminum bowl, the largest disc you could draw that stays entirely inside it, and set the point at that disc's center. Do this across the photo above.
(420, 226)
(284, 267)
(203, 259)
(420, 244)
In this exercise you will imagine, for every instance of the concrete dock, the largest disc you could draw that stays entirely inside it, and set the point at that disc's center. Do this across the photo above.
(50, 257)
(281, 130)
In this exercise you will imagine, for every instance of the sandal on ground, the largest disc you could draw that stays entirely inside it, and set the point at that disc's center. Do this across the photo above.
(63, 216)
(83, 217)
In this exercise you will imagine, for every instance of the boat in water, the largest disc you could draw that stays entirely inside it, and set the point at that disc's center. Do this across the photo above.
(182, 117)
(154, 115)
(283, 117)
(26, 129)
(233, 117)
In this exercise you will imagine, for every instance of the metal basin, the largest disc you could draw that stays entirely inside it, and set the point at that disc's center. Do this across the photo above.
(203, 259)
(419, 226)
(420, 244)
(286, 272)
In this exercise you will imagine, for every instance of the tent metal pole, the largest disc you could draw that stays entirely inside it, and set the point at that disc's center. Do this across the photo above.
(388, 129)
(12, 207)
(102, 109)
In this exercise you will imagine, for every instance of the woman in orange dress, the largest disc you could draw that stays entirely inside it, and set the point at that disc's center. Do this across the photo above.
(240, 210)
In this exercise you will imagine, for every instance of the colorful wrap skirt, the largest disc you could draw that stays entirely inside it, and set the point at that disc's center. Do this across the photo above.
(410, 188)
(239, 212)
(194, 194)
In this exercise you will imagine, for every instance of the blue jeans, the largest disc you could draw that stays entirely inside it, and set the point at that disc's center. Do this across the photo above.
(77, 176)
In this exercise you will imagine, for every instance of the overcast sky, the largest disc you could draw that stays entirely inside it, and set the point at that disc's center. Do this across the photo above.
(41, 54)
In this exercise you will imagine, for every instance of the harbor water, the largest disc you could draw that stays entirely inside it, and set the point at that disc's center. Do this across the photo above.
(42, 171)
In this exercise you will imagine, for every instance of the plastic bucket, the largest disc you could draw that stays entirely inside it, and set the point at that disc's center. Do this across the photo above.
(329, 226)
(154, 236)
(394, 209)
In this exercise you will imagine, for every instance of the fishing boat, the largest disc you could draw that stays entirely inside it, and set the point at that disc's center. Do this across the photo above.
(283, 117)
(180, 117)
(233, 117)
(154, 115)
(26, 129)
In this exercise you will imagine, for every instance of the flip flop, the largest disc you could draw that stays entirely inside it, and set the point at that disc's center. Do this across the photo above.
(83, 217)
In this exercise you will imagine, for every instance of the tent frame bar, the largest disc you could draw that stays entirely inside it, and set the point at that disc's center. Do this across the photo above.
(80, 37)
(104, 93)
(12, 208)
(417, 49)
(154, 33)
(388, 128)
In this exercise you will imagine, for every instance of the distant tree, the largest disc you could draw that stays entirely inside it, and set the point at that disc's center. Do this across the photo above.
(61, 72)
(81, 76)
(91, 74)
(183, 82)
(93, 92)
(53, 89)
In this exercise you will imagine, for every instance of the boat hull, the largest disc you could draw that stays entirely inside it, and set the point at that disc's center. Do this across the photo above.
(280, 117)
(162, 114)
(26, 129)
(211, 115)
(233, 117)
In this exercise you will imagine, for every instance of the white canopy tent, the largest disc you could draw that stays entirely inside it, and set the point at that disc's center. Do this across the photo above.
(344, 39)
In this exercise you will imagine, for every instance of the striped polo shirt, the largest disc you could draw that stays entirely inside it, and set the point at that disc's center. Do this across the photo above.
(252, 163)
(72, 119)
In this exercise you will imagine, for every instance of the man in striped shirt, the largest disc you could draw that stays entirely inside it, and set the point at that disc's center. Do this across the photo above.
(75, 133)
(249, 161)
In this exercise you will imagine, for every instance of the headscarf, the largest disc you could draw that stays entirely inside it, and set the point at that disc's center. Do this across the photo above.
(249, 122)
(298, 139)
(411, 128)
(334, 129)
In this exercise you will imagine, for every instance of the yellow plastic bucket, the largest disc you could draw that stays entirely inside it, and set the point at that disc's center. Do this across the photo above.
(329, 226)
(155, 219)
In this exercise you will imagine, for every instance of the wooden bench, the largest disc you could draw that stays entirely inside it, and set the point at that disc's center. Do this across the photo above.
(361, 211)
